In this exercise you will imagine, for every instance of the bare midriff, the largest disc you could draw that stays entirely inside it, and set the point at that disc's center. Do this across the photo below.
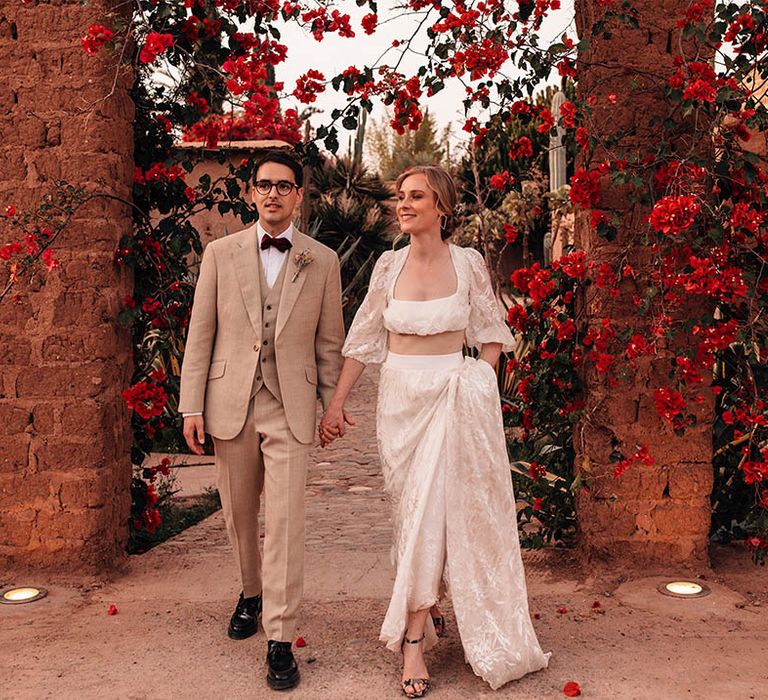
(437, 344)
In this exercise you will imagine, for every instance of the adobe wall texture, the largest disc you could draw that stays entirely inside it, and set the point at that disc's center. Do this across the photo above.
(64, 432)
(658, 514)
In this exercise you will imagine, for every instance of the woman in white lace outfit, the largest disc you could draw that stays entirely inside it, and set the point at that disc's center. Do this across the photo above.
(442, 443)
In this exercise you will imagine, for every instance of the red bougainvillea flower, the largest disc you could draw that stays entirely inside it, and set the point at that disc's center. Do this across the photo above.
(522, 148)
(642, 455)
(566, 330)
(547, 121)
(700, 91)
(97, 36)
(510, 233)
(198, 102)
(369, 23)
(745, 218)
(10, 211)
(669, 404)
(147, 399)
(695, 12)
(621, 467)
(49, 259)
(582, 137)
(309, 85)
(755, 472)
(485, 57)
(517, 318)
(585, 188)
(520, 107)
(566, 68)
(151, 520)
(573, 264)
(673, 215)
(639, 346)
(598, 217)
(321, 23)
(154, 45)
(572, 689)
(499, 181)
(10, 249)
(301, 642)
(112, 610)
(568, 115)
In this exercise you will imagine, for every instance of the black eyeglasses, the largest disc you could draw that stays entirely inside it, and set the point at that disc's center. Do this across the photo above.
(284, 187)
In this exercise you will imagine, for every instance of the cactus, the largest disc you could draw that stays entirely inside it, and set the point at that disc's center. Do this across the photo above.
(557, 165)
(357, 155)
(557, 147)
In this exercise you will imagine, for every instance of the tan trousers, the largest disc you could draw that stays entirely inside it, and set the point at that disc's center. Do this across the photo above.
(265, 456)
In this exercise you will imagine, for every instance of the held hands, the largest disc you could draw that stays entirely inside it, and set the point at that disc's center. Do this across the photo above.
(332, 424)
(194, 433)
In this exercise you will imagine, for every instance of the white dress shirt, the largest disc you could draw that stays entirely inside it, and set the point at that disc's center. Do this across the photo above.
(272, 261)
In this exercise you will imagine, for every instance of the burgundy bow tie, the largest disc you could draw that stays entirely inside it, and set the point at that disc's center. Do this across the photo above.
(282, 244)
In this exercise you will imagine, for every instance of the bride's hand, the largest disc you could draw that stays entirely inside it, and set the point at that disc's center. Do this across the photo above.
(332, 424)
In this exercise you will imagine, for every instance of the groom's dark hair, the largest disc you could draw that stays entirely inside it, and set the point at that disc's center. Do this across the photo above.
(283, 158)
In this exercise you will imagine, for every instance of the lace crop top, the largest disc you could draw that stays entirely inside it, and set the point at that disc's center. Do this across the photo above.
(472, 308)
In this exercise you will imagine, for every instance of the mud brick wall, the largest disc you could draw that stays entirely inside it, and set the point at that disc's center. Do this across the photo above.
(64, 432)
(653, 514)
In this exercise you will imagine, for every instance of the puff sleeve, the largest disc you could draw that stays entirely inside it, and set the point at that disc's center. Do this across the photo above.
(367, 338)
(486, 318)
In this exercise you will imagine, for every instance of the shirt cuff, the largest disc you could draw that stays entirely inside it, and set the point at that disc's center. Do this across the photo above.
(199, 413)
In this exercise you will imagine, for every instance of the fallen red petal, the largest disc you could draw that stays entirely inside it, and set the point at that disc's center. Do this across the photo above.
(536, 616)
(596, 605)
(572, 689)
(562, 611)
(301, 642)
(112, 610)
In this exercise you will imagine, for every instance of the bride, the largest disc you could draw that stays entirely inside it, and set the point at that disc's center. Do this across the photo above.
(441, 442)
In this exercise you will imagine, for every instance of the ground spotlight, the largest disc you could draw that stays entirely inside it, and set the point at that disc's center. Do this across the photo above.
(22, 594)
(683, 589)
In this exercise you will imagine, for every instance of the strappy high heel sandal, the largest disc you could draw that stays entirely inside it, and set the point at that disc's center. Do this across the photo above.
(411, 683)
(438, 621)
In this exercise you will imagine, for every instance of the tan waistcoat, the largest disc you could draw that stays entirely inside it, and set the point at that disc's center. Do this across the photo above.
(266, 374)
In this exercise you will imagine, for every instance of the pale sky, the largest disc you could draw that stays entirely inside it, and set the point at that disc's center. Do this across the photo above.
(334, 54)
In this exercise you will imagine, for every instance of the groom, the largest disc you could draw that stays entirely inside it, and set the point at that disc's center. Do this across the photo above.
(264, 339)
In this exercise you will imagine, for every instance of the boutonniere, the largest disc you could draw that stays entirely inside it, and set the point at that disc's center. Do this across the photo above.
(301, 260)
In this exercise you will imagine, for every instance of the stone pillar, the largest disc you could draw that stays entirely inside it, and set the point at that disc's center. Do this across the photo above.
(652, 515)
(64, 464)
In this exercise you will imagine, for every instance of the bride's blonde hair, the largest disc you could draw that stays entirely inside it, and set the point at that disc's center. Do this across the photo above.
(442, 184)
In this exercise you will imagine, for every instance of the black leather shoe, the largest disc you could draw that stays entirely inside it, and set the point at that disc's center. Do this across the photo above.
(283, 671)
(245, 620)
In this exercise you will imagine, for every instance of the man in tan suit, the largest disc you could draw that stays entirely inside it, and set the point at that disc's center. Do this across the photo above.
(264, 339)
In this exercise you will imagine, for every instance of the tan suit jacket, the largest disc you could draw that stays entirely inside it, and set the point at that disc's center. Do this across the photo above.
(224, 339)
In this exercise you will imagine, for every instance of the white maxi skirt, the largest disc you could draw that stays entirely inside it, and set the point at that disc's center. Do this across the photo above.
(445, 466)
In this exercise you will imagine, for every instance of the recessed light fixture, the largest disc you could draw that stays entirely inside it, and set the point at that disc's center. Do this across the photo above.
(22, 594)
(683, 589)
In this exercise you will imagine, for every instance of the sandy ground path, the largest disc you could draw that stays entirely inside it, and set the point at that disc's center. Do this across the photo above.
(169, 638)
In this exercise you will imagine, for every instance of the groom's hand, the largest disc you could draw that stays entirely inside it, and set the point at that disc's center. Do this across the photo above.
(332, 424)
(194, 433)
